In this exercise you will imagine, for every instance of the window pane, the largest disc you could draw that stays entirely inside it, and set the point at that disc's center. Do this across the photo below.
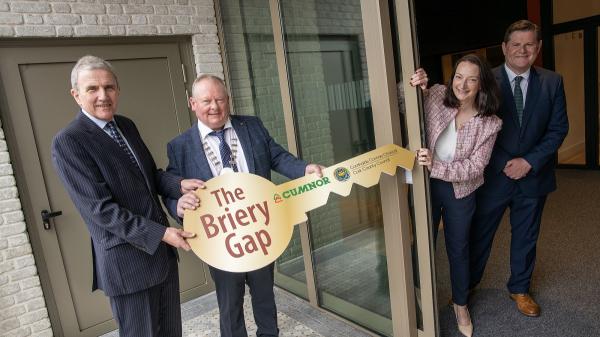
(566, 10)
(255, 91)
(568, 58)
(328, 75)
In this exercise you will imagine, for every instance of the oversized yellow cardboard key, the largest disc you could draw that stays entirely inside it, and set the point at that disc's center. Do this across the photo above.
(245, 222)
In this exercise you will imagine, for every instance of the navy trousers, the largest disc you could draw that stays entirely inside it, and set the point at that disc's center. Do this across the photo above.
(152, 312)
(230, 289)
(525, 220)
(457, 215)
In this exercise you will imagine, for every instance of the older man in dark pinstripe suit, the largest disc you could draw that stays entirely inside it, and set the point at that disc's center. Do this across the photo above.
(113, 181)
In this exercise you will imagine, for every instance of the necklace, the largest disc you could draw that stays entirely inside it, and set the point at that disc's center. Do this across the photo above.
(215, 160)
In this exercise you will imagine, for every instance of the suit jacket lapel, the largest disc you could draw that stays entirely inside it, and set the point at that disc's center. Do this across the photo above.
(138, 150)
(507, 97)
(533, 90)
(198, 152)
(241, 129)
(106, 143)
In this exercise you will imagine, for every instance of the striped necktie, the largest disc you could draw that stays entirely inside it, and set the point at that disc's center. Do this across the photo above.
(518, 95)
(111, 127)
(224, 150)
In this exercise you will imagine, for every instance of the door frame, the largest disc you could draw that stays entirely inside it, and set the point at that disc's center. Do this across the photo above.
(386, 121)
(26, 166)
(589, 26)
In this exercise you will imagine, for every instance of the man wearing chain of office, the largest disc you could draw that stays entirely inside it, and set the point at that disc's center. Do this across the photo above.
(221, 143)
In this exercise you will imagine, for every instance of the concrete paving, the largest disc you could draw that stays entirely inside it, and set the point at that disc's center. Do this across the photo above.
(295, 316)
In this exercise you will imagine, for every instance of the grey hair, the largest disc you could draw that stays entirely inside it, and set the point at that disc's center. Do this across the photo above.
(209, 77)
(89, 62)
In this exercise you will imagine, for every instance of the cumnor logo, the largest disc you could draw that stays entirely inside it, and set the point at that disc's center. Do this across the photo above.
(277, 198)
(341, 174)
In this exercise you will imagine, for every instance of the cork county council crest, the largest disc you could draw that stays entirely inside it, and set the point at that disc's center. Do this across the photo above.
(341, 174)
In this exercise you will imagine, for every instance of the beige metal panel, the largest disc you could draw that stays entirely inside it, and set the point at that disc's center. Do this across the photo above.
(284, 85)
(386, 120)
(408, 49)
(36, 85)
(22, 146)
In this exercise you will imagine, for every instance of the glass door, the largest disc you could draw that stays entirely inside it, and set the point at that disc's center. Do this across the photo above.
(328, 75)
(321, 75)
(574, 33)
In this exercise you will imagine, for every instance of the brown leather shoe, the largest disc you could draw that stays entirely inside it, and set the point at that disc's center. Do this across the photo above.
(526, 304)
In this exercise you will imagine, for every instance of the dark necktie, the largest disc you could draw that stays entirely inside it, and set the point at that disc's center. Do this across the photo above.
(224, 150)
(111, 127)
(518, 95)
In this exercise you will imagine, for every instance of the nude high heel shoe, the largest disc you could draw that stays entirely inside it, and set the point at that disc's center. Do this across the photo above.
(466, 329)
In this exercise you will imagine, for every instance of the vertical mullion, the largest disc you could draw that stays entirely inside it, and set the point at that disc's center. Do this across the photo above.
(409, 55)
(590, 80)
(290, 128)
(547, 26)
(394, 202)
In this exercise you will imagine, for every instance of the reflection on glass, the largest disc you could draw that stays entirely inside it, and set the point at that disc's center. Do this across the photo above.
(328, 77)
(255, 91)
(568, 58)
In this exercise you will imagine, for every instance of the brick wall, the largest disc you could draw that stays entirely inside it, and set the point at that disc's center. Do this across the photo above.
(90, 18)
(22, 307)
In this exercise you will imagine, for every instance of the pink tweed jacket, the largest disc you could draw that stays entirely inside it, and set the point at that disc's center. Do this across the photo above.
(474, 143)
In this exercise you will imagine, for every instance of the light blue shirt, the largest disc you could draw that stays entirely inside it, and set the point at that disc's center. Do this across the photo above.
(102, 123)
(511, 78)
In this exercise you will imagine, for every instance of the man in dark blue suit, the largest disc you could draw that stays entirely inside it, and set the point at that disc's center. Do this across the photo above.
(113, 181)
(520, 174)
(221, 143)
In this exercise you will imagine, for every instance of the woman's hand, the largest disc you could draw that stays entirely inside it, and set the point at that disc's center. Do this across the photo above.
(424, 158)
(419, 78)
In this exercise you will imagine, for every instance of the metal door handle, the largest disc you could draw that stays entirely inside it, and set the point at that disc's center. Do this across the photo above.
(47, 215)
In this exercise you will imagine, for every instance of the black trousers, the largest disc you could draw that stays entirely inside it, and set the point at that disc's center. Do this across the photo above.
(154, 312)
(457, 215)
(230, 297)
(525, 220)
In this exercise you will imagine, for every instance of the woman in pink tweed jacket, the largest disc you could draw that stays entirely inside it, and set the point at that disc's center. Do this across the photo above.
(461, 128)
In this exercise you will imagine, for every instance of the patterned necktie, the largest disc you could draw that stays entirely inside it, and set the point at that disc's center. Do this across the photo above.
(518, 95)
(116, 136)
(224, 150)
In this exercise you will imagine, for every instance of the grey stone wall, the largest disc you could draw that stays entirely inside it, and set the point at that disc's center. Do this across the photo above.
(22, 308)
